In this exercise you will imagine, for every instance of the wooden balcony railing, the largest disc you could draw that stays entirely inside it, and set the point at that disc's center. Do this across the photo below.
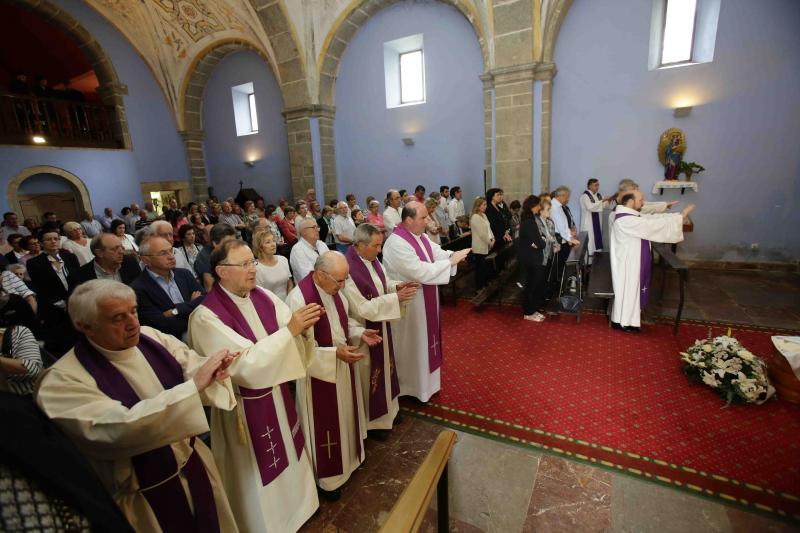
(409, 511)
(59, 122)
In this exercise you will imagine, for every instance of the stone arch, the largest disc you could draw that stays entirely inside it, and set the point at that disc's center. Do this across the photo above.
(15, 182)
(111, 89)
(555, 17)
(353, 18)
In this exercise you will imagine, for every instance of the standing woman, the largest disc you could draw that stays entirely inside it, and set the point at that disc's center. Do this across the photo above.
(128, 244)
(432, 226)
(530, 252)
(547, 228)
(499, 218)
(272, 271)
(187, 252)
(482, 241)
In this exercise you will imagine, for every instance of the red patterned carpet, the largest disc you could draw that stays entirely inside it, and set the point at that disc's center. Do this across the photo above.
(619, 400)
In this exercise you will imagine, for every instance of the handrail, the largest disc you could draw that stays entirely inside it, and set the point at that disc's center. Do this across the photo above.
(409, 510)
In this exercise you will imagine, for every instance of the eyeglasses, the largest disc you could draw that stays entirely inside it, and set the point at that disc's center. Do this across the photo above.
(164, 253)
(338, 282)
(247, 264)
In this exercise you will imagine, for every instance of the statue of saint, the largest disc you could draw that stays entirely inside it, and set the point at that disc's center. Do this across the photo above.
(671, 148)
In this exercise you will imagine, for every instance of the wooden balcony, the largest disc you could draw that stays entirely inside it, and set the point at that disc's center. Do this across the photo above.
(26, 119)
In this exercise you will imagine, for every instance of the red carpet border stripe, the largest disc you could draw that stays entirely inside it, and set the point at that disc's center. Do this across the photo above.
(617, 401)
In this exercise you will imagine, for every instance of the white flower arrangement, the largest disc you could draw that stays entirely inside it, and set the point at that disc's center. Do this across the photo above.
(724, 364)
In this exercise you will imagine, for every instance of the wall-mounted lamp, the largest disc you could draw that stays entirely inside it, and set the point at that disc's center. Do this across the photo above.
(250, 164)
(681, 112)
(408, 141)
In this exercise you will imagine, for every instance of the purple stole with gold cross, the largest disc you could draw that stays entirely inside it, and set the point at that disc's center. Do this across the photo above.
(323, 394)
(157, 469)
(645, 267)
(377, 384)
(596, 228)
(259, 406)
(430, 294)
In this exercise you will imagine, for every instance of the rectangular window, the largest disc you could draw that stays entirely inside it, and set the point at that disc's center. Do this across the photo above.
(251, 101)
(412, 77)
(678, 33)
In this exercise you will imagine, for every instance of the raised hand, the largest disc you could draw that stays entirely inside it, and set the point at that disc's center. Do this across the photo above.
(371, 337)
(348, 354)
(304, 318)
(214, 369)
(406, 292)
(672, 203)
(459, 256)
(688, 209)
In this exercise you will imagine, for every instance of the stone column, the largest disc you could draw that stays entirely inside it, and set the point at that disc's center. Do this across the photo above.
(193, 139)
(301, 154)
(544, 75)
(112, 94)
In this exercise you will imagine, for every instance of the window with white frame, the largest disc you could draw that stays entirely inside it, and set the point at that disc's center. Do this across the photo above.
(682, 32)
(678, 37)
(404, 71)
(244, 109)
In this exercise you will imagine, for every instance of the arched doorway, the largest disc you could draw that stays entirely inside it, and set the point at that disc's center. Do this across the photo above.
(43, 188)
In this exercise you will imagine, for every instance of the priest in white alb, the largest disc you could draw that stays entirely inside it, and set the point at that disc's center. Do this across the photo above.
(259, 447)
(329, 399)
(592, 205)
(375, 300)
(131, 398)
(409, 255)
(631, 256)
(648, 208)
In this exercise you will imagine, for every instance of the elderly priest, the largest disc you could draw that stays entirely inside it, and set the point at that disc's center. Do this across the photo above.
(374, 300)
(259, 447)
(631, 256)
(132, 400)
(410, 256)
(329, 399)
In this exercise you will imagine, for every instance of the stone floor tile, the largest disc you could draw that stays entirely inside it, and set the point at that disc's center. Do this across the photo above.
(569, 497)
(744, 522)
(642, 507)
(416, 442)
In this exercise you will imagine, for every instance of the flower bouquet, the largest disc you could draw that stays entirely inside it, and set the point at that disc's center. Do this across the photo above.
(724, 364)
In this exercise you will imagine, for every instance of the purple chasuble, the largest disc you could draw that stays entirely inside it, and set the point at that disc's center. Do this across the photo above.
(156, 469)
(377, 383)
(645, 266)
(596, 228)
(430, 294)
(259, 405)
(323, 394)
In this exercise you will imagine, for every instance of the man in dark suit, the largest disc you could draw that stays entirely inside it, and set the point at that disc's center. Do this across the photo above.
(53, 274)
(13, 257)
(109, 262)
(166, 295)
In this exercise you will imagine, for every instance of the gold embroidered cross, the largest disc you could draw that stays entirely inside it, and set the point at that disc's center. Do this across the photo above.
(329, 444)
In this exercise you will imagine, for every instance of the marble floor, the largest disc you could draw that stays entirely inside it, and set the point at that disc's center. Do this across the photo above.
(498, 487)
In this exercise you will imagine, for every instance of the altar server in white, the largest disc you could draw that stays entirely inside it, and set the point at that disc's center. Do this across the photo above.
(410, 256)
(259, 447)
(131, 398)
(631, 256)
(592, 205)
(329, 399)
(375, 300)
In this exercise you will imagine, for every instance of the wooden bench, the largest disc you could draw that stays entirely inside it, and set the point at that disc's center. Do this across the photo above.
(600, 283)
(509, 271)
(462, 270)
(668, 260)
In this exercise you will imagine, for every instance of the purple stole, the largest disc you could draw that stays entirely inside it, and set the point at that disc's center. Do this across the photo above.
(645, 266)
(377, 388)
(259, 405)
(431, 295)
(323, 394)
(156, 469)
(598, 234)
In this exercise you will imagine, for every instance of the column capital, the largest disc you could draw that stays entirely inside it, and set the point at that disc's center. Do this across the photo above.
(516, 73)
(308, 111)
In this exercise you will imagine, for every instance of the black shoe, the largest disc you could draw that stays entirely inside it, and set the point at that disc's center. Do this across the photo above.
(398, 419)
(330, 495)
(381, 435)
(631, 329)
(616, 325)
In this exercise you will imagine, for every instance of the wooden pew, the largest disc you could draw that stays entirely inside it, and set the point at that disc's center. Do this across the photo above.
(668, 260)
(600, 283)
(455, 245)
(508, 252)
(409, 511)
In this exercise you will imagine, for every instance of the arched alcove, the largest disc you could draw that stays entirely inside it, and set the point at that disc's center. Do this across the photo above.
(51, 174)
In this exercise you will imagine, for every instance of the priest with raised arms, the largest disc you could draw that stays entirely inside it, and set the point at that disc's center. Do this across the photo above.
(592, 204)
(648, 208)
(375, 300)
(410, 256)
(131, 398)
(631, 256)
(329, 398)
(259, 447)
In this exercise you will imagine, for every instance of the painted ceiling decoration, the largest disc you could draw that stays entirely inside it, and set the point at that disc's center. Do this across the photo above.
(170, 34)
